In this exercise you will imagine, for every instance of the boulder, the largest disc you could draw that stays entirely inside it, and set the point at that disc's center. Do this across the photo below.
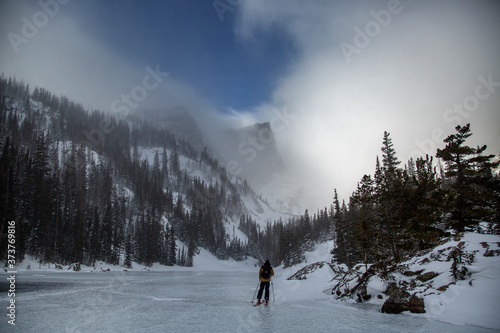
(412, 273)
(400, 300)
(425, 261)
(416, 304)
(395, 305)
(392, 289)
(443, 288)
(427, 276)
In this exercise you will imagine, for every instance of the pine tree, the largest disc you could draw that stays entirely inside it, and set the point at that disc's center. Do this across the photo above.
(426, 205)
(469, 176)
(305, 230)
(389, 159)
(27, 100)
(95, 238)
(341, 249)
(164, 168)
(172, 247)
(190, 253)
(127, 263)
(389, 195)
(364, 227)
(182, 260)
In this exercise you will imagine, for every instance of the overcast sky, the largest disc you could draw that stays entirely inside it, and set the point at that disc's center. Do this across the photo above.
(336, 73)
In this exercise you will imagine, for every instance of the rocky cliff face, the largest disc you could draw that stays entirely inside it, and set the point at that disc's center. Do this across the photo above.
(178, 121)
(251, 153)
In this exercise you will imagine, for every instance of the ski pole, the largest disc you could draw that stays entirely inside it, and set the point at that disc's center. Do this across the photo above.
(272, 286)
(255, 293)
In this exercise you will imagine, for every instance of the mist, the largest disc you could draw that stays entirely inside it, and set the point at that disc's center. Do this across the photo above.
(416, 77)
(415, 69)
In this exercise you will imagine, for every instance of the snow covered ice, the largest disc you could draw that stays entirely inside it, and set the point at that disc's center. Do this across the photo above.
(191, 301)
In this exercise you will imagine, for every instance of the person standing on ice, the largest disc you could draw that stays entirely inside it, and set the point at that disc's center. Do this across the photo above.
(265, 273)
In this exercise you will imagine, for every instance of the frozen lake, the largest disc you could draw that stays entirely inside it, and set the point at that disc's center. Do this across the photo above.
(186, 301)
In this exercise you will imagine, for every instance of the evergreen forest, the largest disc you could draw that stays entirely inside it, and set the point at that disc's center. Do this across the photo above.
(77, 185)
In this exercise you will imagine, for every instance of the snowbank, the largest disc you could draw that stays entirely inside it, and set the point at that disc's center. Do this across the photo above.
(475, 300)
(315, 284)
(204, 261)
(472, 299)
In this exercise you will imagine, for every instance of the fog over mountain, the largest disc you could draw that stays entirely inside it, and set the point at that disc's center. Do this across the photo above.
(329, 77)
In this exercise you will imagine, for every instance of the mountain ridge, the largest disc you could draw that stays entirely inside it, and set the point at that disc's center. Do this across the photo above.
(111, 187)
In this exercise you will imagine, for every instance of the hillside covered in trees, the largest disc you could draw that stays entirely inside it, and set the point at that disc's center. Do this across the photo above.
(399, 212)
(85, 186)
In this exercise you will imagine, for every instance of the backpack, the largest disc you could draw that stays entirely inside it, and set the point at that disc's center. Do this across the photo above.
(266, 272)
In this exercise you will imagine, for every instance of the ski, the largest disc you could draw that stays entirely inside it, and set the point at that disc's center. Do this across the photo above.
(258, 303)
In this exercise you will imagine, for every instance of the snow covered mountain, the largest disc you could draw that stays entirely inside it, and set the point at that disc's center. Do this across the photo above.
(118, 189)
(253, 150)
(177, 121)
(248, 152)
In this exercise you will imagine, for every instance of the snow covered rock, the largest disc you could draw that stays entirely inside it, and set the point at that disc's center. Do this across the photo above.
(416, 304)
(400, 300)
(302, 273)
(457, 281)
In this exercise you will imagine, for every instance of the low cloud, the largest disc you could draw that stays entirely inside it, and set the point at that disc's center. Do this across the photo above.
(63, 59)
(404, 75)
(428, 57)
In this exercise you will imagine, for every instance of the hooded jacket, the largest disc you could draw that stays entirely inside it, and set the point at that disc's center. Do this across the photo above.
(268, 265)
